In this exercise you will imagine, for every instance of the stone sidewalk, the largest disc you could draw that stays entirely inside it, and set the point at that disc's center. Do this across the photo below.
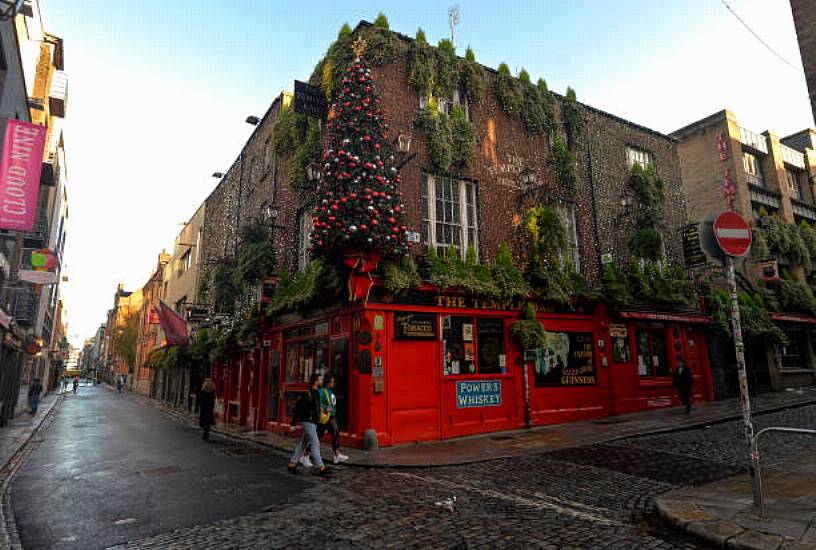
(15, 434)
(526, 442)
(723, 513)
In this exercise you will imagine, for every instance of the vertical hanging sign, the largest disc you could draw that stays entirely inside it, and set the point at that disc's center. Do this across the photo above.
(20, 174)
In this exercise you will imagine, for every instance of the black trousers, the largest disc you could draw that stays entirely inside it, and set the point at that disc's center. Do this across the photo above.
(333, 429)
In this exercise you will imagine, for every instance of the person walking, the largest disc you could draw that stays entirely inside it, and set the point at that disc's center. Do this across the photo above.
(684, 383)
(64, 383)
(206, 407)
(307, 413)
(76, 383)
(119, 384)
(328, 405)
(34, 391)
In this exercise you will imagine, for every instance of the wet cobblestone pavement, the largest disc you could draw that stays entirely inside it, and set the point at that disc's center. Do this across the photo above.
(596, 496)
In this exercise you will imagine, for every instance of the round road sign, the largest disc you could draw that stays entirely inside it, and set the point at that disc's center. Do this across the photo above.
(732, 234)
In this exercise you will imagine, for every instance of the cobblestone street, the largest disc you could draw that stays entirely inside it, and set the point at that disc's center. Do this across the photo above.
(585, 497)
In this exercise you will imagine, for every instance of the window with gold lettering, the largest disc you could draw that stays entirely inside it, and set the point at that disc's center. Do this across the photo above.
(473, 346)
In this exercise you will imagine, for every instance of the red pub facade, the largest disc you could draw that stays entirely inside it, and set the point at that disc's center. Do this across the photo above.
(438, 363)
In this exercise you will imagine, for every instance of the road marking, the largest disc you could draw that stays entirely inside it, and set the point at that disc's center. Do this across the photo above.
(125, 521)
(540, 503)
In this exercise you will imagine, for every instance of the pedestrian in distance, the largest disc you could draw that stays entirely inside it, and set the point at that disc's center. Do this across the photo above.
(684, 382)
(64, 383)
(34, 391)
(307, 413)
(328, 409)
(76, 383)
(206, 408)
(119, 384)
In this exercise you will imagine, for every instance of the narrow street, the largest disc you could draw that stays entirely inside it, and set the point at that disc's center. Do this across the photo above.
(110, 471)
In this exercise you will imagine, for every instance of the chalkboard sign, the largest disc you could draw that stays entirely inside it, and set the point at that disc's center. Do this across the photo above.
(414, 326)
(310, 100)
(692, 251)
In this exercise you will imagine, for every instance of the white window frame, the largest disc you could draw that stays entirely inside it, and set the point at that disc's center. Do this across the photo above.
(635, 155)
(466, 224)
(304, 233)
(752, 164)
(566, 213)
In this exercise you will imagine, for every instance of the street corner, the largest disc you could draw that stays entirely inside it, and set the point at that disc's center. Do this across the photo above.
(681, 512)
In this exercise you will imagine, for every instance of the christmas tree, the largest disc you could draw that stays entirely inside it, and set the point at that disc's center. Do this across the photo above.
(360, 214)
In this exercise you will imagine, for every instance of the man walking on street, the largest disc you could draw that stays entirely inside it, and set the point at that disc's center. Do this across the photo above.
(76, 383)
(684, 383)
(34, 391)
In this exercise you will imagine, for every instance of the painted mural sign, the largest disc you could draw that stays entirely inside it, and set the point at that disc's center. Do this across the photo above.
(478, 393)
(20, 174)
(566, 359)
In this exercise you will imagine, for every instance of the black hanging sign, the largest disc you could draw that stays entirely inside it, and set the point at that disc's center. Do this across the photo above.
(414, 326)
(310, 100)
(692, 251)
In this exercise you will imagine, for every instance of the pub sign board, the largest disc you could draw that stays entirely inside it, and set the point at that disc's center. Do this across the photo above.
(566, 359)
(478, 393)
(310, 100)
(415, 326)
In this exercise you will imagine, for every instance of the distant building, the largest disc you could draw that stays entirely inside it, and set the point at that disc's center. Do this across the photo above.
(804, 18)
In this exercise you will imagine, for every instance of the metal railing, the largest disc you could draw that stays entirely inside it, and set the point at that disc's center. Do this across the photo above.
(759, 498)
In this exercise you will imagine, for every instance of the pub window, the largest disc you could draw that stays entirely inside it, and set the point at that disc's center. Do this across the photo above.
(638, 156)
(307, 352)
(449, 213)
(794, 184)
(473, 346)
(304, 234)
(651, 352)
(753, 169)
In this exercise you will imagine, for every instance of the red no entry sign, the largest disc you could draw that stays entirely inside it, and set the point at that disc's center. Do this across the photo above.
(732, 234)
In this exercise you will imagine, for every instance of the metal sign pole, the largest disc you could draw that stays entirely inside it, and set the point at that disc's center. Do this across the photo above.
(745, 399)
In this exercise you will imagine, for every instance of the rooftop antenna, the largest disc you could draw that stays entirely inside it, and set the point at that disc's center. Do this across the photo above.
(453, 18)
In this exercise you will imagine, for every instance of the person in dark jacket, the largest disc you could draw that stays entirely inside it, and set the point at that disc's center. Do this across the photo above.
(684, 382)
(34, 391)
(307, 413)
(206, 408)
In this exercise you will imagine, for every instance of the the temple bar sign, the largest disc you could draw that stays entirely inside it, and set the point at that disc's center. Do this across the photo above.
(310, 100)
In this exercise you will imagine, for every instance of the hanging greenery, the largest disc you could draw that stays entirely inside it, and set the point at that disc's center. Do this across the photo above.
(308, 152)
(649, 282)
(759, 246)
(381, 22)
(808, 237)
(421, 65)
(528, 332)
(507, 91)
(203, 287)
(288, 132)
(401, 275)
(382, 45)
(574, 122)
(647, 243)
(563, 162)
(225, 292)
(447, 70)
(156, 360)
(533, 114)
(554, 283)
(451, 140)
(471, 77)
(547, 235)
(786, 240)
(794, 295)
(255, 261)
(318, 280)
(754, 316)
(507, 277)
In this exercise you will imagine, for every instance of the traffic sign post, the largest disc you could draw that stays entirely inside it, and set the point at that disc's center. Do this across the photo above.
(733, 236)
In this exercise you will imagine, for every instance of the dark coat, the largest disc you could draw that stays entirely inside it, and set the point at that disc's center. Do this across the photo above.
(683, 380)
(206, 408)
(307, 408)
(35, 389)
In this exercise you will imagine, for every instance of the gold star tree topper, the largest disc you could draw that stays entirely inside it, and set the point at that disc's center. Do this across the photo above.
(358, 47)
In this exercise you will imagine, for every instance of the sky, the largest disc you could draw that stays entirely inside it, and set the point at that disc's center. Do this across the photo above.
(159, 91)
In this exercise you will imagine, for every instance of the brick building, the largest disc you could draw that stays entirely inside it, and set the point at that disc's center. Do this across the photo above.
(804, 18)
(771, 176)
(626, 356)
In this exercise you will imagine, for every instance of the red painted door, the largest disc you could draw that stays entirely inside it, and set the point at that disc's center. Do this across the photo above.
(413, 390)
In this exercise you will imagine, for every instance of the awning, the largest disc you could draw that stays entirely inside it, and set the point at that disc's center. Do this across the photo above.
(699, 319)
(173, 325)
(794, 318)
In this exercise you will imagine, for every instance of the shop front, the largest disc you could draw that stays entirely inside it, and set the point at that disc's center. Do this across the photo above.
(793, 362)
(431, 367)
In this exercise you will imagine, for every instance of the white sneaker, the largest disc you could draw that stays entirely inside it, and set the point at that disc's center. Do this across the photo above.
(340, 457)
(305, 461)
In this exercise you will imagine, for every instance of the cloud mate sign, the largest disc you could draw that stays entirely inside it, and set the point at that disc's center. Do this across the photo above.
(732, 234)
(20, 174)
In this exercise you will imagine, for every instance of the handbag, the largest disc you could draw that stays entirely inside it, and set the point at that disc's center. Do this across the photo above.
(325, 416)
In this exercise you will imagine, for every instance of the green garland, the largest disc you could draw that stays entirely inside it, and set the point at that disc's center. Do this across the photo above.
(421, 64)
(787, 240)
(507, 91)
(652, 283)
(574, 122)
(308, 152)
(451, 140)
(547, 234)
(318, 282)
(447, 70)
(563, 162)
(401, 276)
(647, 243)
(471, 77)
(650, 192)
(528, 332)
